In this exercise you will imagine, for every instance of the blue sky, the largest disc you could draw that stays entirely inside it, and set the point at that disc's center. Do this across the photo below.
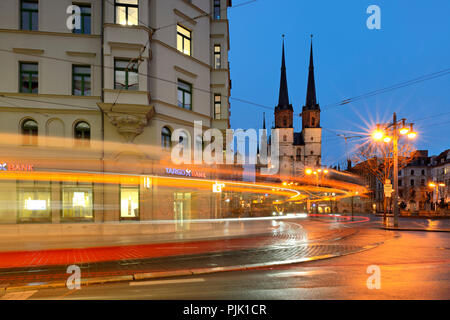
(349, 59)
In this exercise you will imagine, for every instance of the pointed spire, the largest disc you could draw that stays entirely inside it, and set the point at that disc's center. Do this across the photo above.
(283, 99)
(264, 120)
(311, 102)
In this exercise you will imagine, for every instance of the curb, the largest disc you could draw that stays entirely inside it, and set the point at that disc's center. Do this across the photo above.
(180, 273)
(414, 229)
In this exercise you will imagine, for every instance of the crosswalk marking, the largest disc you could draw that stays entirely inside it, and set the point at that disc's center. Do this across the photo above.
(153, 282)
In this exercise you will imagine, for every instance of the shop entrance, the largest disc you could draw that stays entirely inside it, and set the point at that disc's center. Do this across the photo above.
(182, 210)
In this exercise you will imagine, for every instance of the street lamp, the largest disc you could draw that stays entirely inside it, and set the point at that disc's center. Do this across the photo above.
(436, 186)
(388, 134)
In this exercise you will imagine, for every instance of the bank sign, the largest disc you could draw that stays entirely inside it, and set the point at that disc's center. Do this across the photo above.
(185, 173)
(15, 167)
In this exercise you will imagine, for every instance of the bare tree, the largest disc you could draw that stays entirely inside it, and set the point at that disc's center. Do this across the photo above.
(377, 159)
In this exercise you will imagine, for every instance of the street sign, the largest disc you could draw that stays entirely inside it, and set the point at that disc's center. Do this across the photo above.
(388, 189)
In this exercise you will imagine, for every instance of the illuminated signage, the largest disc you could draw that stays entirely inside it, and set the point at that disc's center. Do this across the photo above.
(186, 172)
(217, 187)
(16, 167)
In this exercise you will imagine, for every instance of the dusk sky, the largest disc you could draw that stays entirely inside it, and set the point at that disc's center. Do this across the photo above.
(350, 60)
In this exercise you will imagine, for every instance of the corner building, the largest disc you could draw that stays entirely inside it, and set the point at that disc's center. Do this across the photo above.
(103, 99)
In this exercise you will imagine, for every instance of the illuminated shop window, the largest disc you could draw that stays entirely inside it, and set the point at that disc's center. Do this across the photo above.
(182, 209)
(129, 203)
(77, 202)
(34, 201)
(184, 40)
(127, 12)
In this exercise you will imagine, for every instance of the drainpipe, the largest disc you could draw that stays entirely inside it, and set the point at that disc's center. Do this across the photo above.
(102, 18)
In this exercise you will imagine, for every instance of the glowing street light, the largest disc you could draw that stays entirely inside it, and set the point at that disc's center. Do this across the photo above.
(308, 171)
(412, 134)
(391, 134)
(404, 129)
(378, 134)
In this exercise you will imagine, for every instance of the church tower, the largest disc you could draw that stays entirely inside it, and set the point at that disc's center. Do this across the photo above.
(311, 130)
(284, 114)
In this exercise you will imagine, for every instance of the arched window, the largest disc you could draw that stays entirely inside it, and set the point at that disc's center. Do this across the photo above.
(166, 136)
(29, 132)
(82, 133)
(313, 121)
(312, 152)
(284, 138)
(285, 121)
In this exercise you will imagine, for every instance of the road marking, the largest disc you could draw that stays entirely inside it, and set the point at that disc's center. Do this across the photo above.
(153, 282)
(301, 273)
(21, 295)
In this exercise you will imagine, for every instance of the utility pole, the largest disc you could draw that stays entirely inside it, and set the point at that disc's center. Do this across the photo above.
(395, 142)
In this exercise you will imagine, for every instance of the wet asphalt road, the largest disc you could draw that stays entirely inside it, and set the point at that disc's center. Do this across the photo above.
(413, 265)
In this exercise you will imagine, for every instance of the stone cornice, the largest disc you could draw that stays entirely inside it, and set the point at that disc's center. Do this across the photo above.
(28, 51)
(185, 72)
(184, 17)
(50, 33)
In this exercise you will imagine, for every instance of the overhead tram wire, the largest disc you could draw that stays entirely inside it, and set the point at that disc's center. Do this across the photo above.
(399, 85)
(199, 89)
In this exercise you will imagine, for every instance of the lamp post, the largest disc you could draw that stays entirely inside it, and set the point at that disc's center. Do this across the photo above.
(388, 134)
(318, 173)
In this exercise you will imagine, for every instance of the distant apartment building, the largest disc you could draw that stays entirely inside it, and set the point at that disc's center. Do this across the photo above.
(99, 86)
(423, 184)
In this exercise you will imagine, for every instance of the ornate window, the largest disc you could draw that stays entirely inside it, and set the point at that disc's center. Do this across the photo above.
(29, 132)
(82, 133)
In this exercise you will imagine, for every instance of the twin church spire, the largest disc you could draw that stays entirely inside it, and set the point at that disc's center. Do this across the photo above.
(284, 110)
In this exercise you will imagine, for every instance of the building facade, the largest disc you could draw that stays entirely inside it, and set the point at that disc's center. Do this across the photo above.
(99, 87)
(298, 150)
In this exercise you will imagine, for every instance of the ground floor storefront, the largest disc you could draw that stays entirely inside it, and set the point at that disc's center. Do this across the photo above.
(43, 195)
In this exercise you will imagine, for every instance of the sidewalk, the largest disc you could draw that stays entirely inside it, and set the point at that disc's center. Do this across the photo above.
(418, 224)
